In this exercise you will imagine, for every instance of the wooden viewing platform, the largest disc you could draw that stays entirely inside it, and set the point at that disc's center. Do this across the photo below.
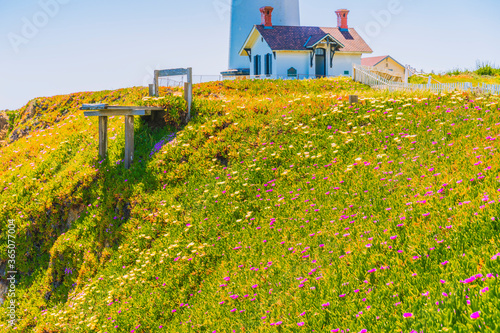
(103, 111)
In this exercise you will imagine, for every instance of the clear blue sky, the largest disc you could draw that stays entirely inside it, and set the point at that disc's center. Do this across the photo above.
(88, 45)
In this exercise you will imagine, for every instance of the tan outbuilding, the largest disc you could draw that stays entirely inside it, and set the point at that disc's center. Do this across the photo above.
(385, 66)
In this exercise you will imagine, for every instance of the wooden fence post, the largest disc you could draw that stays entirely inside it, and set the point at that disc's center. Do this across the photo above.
(129, 141)
(152, 90)
(156, 83)
(353, 99)
(103, 136)
(189, 95)
(186, 92)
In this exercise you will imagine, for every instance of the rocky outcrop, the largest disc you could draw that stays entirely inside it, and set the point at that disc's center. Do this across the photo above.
(4, 125)
(33, 117)
(27, 122)
(73, 215)
(18, 133)
(4, 285)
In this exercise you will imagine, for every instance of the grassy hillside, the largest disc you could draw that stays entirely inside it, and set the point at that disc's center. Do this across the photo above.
(473, 78)
(485, 72)
(279, 207)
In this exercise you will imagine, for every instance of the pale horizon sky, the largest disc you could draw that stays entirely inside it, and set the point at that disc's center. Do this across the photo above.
(95, 45)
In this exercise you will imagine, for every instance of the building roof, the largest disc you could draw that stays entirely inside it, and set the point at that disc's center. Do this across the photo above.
(297, 38)
(374, 61)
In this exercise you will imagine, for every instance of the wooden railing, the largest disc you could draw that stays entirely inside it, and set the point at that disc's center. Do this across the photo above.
(154, 89)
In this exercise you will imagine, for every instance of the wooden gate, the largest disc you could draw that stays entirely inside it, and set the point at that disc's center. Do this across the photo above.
(188, 86)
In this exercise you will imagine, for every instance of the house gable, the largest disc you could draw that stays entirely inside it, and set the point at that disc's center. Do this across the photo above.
(374, 61)
(397, 63)
(250, 42)
(313, 42)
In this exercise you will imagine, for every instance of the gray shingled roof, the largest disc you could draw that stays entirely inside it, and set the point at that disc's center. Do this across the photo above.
(294, 38)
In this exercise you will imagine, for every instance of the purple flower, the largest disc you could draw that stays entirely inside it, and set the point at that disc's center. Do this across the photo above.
(475, 315)
(301, 323)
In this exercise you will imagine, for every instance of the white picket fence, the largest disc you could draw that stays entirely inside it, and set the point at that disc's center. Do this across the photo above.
(364, 75)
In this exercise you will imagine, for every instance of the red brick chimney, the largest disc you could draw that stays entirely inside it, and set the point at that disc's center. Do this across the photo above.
(266, 14)
(342, 19)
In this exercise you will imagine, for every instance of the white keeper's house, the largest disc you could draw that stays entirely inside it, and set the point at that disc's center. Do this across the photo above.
(278, 51)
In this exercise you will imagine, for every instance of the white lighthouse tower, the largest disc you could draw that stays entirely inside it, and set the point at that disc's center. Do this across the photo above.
(245, 14)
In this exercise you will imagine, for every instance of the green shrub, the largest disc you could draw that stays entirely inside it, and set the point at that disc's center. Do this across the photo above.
(455, 71)
(486, 68)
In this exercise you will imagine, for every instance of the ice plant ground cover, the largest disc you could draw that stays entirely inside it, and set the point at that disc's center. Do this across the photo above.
(279, 207)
